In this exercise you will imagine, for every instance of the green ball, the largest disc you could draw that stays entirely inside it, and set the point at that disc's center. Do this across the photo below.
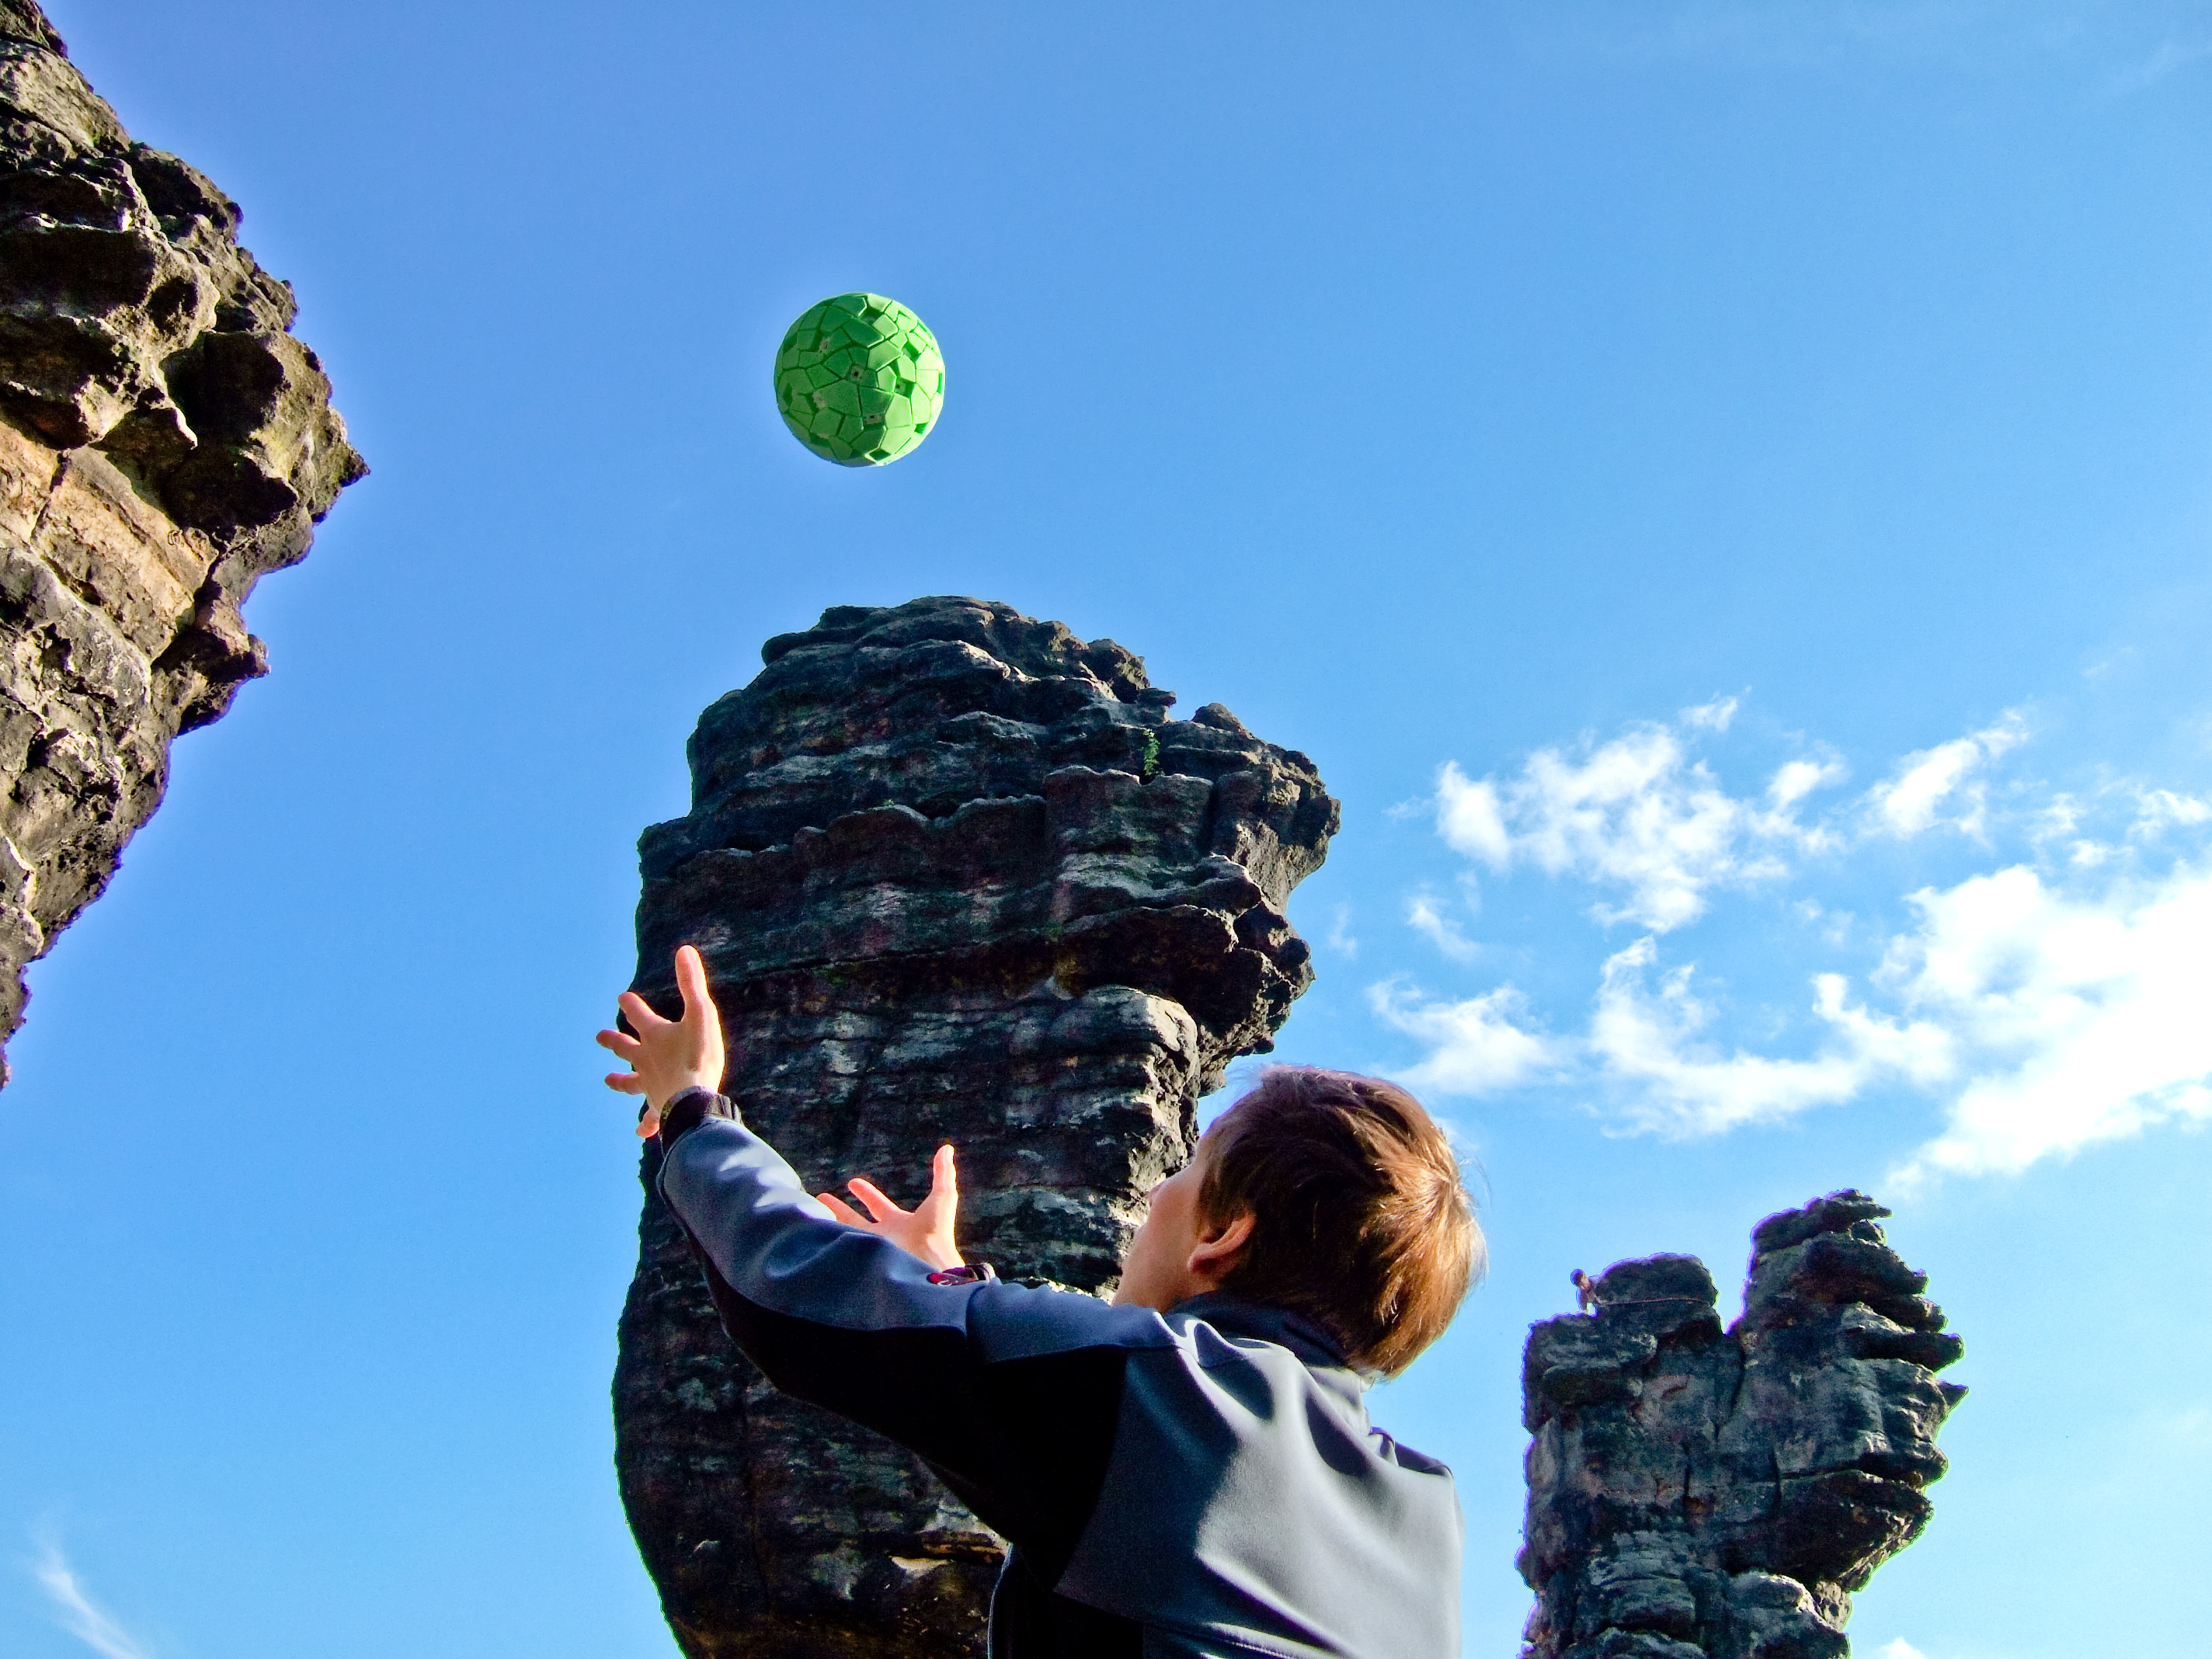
(859, 379)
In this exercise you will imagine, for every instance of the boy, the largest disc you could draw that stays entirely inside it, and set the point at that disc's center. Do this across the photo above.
(1188, 1472)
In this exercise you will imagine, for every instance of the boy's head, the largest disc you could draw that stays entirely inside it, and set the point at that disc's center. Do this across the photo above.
(1330, 1195)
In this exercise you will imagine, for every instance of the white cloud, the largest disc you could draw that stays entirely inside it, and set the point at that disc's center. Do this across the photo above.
(77, 1613)
(1899, 1648)
(1795, 780)
(1469, 818)
(1941, 784)
(1423, 916)
(1339, 936)
(1793, 783)
(2043, 1008)
(2043, 1020)
(2083, 1019)
(1714, 715)
(1474, 1046)
(2159, 810)
(1677, 1084)
(2056, 822)
(2057, 818)
(1636, 812)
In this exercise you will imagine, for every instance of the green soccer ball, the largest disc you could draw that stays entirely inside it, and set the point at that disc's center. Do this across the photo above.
(859, 379)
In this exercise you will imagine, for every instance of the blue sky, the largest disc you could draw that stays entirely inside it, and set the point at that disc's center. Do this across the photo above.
(1721, 489)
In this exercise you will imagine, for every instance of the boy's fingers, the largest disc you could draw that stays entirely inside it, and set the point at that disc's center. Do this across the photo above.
(844, 1212)
(691, 980)
(639, 1012)
(626, 1082)
(943, 1174)
(620, 1042)
(872, 1199)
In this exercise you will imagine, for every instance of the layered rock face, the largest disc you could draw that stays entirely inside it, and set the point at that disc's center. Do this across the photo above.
(1701, 1494)
(164, 442)
(957, 875)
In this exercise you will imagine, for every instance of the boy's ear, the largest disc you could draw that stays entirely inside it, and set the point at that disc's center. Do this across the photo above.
(1219, 1247)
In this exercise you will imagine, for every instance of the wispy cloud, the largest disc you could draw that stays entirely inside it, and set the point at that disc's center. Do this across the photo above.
(2160, 809)
(2083, 1017)
(1649, 1040)
(1713, 716)
(2042, 1007)
(1339, 938)
(1475, 1046)
(1899, 1648)
(76, 1612)
(1426, 918)
(1639, 813)
(1795, 780)
(2043, 1020)
(1943, 785)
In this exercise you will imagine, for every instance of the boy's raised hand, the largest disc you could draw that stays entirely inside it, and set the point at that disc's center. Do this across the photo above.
(925, 1231)
(668, 1056)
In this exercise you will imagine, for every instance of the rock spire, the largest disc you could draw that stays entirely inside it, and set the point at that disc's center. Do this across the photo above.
(1701, 1494)
(957, 875)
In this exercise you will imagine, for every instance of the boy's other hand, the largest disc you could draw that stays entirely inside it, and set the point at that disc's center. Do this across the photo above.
(925, 1231)
(668, 1056)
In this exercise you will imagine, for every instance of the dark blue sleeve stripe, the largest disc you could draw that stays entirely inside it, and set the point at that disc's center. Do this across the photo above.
(778, 1246)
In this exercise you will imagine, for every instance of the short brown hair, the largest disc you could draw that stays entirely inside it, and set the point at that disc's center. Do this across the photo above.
(1360, 1221)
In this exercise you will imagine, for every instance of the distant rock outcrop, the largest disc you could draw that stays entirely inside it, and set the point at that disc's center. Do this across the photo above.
(957, 875)
(164, 442)
(1697, 1494)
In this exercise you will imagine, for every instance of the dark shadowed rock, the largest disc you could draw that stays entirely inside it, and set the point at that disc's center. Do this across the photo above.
(1697, 1494)
(957, 875)
(164, 442)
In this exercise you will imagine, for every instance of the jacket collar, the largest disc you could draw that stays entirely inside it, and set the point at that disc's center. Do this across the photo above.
(1255, 1321)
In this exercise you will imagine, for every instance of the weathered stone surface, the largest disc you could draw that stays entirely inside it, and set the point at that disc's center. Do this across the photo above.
(957, 875)
(164, 442)
(1698, 1494)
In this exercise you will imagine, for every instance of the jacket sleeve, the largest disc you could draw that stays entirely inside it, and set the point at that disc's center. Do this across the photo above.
(1012, 1393)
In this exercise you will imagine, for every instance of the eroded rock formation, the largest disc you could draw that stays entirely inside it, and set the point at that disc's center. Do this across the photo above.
(957, 875)
(164, 442)
(1701, 1494)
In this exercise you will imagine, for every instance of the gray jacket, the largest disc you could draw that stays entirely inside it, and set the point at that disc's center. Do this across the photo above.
(1202, 1482)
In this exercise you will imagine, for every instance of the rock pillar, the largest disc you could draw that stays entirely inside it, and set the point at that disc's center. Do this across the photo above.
(1701, 1494)
(957, 875)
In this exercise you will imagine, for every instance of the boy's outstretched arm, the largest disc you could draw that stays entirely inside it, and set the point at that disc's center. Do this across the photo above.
(1011, 1392)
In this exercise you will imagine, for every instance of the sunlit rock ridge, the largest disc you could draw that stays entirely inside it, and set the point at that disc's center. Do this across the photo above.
(164, 442)
(957, 875)
(1696, 1494)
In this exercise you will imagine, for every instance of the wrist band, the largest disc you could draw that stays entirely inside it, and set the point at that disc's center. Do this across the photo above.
(975, 1273)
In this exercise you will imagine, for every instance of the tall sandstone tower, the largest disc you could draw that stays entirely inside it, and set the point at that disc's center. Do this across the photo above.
(957, 875)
